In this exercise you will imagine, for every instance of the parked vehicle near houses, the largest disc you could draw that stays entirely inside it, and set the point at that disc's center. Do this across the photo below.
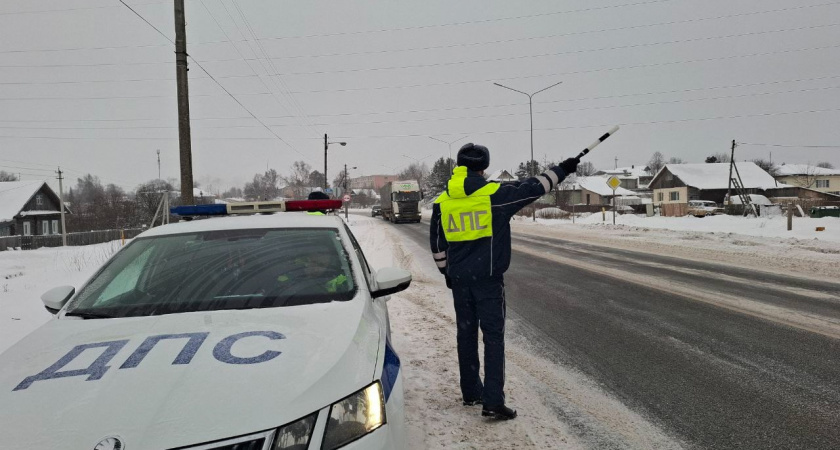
(401, 201)
(703, 208)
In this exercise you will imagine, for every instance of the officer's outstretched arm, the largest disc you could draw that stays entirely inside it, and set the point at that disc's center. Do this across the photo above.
(510, 198)
(437, 240)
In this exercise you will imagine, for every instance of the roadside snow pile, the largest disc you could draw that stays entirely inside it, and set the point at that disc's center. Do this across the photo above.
(25, 275)
(803, 227)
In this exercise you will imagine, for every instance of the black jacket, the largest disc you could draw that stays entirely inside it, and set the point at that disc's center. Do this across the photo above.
(476, 261)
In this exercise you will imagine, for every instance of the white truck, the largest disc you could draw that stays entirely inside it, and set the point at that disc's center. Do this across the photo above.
(401, 201)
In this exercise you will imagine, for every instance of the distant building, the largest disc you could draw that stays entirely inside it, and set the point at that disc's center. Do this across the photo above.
(29, 208)
(501, 176)
(594, 191)
(632, 177)
(374, 182)
(811, 177)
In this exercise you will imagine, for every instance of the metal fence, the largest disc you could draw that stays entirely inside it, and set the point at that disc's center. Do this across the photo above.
(54, 240)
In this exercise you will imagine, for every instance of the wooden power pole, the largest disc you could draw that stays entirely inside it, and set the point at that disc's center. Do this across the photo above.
(183, 105)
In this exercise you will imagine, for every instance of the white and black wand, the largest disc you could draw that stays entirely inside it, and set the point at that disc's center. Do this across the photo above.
(595, 144)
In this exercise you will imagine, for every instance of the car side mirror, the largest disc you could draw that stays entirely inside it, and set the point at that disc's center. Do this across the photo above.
(56, 298)
(391, 280)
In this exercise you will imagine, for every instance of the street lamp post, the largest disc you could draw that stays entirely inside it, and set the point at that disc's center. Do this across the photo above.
(346, 204)
(450, 149)
(326, 146)
(531, 111)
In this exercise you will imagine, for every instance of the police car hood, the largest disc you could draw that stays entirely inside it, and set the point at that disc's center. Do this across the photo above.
(327, 351)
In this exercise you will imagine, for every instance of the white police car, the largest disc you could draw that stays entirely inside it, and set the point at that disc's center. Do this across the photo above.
(237, 333)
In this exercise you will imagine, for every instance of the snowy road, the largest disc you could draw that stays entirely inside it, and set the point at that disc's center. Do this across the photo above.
(718, 357)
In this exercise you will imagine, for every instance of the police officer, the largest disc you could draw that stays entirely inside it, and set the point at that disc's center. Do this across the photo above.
(318, 195)
(470, 241)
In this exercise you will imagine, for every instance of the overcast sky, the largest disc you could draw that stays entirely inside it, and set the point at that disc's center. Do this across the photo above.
(88, 85)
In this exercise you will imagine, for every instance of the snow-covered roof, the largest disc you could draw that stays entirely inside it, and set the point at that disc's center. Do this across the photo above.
(14, 195)
(716, 175)
(599, 186)
(500, 175)
(630, 171)
(786, 170)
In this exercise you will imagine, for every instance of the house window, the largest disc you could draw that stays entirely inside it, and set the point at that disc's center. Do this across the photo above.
(661, 196)
(822, 183)
(675, 196)
(27, 228)
(55, 226)
(39, 200)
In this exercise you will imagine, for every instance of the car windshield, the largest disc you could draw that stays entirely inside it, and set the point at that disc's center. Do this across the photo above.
(219, 270)
(407, 196)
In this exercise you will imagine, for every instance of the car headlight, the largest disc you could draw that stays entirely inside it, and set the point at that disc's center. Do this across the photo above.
(295, 435)
(355, 416)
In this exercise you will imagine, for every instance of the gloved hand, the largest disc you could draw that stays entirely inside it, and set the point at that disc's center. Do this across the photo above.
(448, 282)
(570, 165)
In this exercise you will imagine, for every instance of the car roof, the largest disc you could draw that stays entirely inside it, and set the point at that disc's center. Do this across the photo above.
(243, 222)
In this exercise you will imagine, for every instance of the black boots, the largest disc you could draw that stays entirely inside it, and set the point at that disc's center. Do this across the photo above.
(498, 412)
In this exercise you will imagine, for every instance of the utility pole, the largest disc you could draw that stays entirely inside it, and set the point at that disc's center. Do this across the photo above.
(61, 207)
(183, 105)
(729, 186)
(158, 155)
(616, 162)
(326, 146)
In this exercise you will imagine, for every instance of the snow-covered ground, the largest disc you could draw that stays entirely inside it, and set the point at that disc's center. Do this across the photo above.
(758, 243)
(25, 275)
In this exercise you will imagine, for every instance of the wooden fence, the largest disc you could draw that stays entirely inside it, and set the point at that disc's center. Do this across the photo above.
(74, 239)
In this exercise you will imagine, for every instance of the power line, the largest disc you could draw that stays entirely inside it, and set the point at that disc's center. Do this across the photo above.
(576, 72)
(217, 82)
(789, 146)
(657, 122)
(15, 13)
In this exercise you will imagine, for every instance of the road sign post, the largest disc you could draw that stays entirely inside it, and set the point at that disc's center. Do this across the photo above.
(613, 182)
(346, 199)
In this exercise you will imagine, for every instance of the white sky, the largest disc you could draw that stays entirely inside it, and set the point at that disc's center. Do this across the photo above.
(683, 77)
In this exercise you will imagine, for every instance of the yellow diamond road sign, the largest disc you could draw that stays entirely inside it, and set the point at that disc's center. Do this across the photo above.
(613, 182)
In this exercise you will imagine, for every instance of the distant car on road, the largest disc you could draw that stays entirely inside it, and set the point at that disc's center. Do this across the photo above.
(267, 332)
(376, 210)
(703, 208)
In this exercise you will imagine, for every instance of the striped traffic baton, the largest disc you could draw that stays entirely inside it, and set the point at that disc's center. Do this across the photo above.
(600, 139)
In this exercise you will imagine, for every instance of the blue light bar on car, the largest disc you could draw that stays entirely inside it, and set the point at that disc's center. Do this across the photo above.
(255, 207)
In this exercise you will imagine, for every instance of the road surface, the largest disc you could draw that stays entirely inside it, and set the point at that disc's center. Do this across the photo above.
(718, 356)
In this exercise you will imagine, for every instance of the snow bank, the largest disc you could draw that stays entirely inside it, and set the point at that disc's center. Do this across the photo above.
(803, 227)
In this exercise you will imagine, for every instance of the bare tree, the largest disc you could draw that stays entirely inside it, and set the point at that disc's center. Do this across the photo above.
(656, 163)
(675, 160)
(825, 165)
(808, 178)
(263, 186)
(6, 176)
(718, 158)
(416, 171)
(586, 169)
(766, 166)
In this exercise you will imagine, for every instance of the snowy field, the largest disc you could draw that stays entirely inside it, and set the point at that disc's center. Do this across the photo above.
(756, 243)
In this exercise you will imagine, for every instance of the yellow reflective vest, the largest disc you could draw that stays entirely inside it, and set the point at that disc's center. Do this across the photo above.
(466, 217)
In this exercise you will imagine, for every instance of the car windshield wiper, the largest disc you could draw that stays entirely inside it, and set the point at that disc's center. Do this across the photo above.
(90, 315)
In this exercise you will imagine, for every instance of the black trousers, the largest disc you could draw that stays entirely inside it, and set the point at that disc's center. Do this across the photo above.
(481, 306)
